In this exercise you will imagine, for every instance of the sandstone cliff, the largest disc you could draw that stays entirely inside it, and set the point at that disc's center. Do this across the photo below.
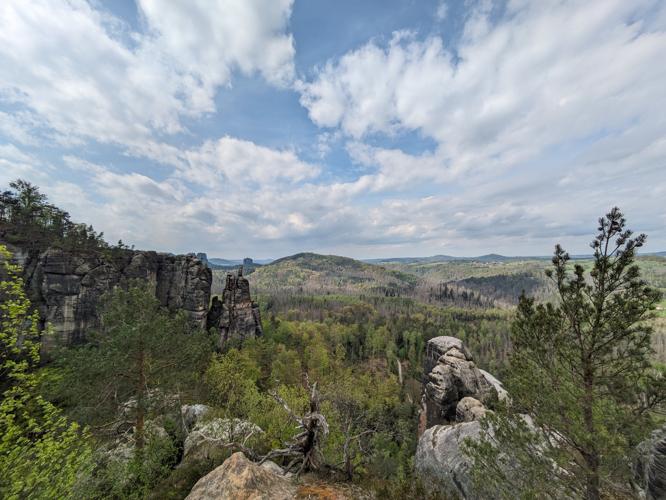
(235, 315)
(67, 286)
(456, 395)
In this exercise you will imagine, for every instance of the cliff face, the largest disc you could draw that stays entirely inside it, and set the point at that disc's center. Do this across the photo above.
(235, 315)
(67, 287)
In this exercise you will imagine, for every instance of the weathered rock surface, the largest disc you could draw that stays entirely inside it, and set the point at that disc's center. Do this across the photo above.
(440, 462)
(192, 414)
(67, 286)
(235, 316)
(451, 375)
(650, 466)
(469, 409)
(502, 394)
(241, 479)
(456, 395)
(207, 438)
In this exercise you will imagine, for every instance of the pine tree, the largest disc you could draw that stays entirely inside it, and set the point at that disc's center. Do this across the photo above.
(581, 381)
(134, 364)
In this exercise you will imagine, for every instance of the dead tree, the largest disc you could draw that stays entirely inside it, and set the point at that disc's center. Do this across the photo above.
(304, 448)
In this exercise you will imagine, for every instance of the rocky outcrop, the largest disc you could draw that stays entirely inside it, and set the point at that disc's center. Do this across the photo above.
(456, 395)
(211, 439)
(451, 375)
(192, 414)
(470, 409)
(241, 479)
(650, 466)
(235, 315)
(67, 286)
(440, 463)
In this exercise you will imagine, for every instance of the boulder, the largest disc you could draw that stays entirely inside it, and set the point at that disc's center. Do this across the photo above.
(440, 463)
(192, 414)
(208, 438)
(502, 393)
(650, 465)
(469, 409)
(241, 479)
(451, 378)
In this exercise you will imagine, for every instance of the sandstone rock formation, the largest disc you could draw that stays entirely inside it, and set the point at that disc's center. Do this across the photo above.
(192, 414)
(469, 409)
(451, 375)
(650, 466)
(241, 479)
(208, 439)
(67, 286)
(456, 395)
(440, 463)
(236, 315)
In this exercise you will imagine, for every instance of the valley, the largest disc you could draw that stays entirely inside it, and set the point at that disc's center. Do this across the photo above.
(356, 376)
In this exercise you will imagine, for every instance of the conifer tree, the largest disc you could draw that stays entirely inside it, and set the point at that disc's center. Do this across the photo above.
(134, 365)
(581, 381)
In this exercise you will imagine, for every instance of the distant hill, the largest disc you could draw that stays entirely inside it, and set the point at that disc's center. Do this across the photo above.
(236, 262)
(315, 273)
(225, 262)
(411, 260)
(492, 257)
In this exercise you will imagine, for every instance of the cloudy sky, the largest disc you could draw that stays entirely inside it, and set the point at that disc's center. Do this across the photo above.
(368, 129)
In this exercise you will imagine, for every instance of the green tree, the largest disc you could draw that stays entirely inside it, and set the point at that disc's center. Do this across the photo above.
(581, 372)
(42, 455)
(232, 381)
(134, 365)
(286, 367)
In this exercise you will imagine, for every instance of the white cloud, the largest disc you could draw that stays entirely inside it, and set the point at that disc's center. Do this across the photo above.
(233, 161)
(511, 90)
(89, 76)
(536, 130)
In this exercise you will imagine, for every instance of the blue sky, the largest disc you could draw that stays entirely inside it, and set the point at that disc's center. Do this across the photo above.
(368, 129)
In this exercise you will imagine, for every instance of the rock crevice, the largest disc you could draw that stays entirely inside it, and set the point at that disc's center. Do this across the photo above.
(456, 395)
(235, 315)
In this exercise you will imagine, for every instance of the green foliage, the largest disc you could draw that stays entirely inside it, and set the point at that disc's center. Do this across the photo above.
(372, 424)
(581, 369)
(321, 274)
(120, 472)
(27, 218)
(42, 455)
(232, 379)
(140, 356)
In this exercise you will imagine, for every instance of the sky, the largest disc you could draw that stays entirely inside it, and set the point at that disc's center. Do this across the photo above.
(369, 129)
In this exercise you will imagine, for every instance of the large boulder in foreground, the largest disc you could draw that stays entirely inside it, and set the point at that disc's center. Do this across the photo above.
(241, 479)
(451, 375)
(650, 467)
(440, 463)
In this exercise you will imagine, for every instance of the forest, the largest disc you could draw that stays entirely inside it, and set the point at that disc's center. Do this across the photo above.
(104, 418)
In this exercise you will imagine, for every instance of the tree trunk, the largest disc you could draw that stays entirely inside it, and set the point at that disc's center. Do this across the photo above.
(591, 453)
(140, 402)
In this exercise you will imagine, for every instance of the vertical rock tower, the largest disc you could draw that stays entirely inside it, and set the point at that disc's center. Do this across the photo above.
(235, 315)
